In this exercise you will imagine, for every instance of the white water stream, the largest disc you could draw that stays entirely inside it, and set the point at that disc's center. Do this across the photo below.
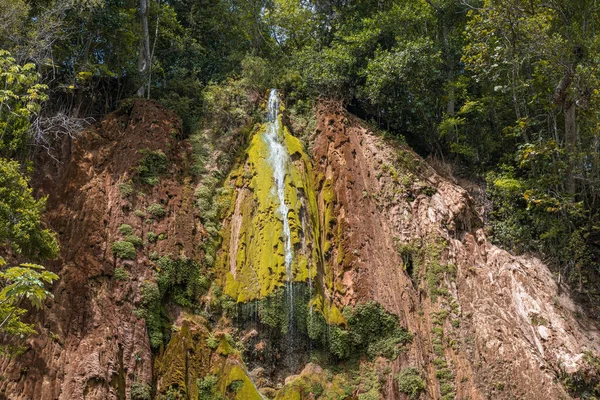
(279, 160)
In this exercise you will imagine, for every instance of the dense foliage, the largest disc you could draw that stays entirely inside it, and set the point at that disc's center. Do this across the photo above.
(22, 234)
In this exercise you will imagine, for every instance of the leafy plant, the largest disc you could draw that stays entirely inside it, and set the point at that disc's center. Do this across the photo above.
(121, 274)
(125, 189)
(20, 284)
(152, 165)
(410, 382)
(140, 391)
(156, 210)
(124, 250)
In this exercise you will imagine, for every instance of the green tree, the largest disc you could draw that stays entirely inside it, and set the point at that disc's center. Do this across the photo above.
(22, 234)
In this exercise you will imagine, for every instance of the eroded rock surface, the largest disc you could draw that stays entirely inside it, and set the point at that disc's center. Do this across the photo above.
(485, 324)
(506, 329)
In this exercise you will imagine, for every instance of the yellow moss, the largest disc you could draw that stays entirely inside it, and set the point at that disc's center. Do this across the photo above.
(234, 372)
(330, 312)
(260, 262)
(185, 358)
(225, 348)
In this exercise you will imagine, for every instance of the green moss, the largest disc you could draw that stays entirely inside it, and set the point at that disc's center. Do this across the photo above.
(259, 265)
(245, 389)
(124, 250)
(151, 311)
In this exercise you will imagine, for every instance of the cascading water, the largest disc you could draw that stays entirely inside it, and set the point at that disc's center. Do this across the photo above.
(279, 159)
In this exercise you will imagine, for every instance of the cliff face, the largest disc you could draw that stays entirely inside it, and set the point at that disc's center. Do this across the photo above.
(370, 222)
(505, 327)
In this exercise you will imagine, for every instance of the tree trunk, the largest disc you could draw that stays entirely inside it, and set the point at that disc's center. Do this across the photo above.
(562, 98)
(144, 54)
(571, 139)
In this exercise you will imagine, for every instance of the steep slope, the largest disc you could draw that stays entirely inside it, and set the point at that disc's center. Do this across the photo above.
(392, 276)
(93, 346)
(488, 323)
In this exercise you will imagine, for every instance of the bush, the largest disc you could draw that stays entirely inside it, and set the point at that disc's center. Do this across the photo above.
(151, 303)
(373, 329)
(124, 250)
(141, 391)
(235, 386)
(121, 274)
(134, 240)
(181, 279)
(212, 342)
(125, 189)
(126, 229)
(410, 382)
(151, 237)
(152, 166)
(206, 387)
(157, 210)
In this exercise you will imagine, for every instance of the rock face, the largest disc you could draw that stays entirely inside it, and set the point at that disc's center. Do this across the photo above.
(93, 346)
(505, 328)
(383, 227)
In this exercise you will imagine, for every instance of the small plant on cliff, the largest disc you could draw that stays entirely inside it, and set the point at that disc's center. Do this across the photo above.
(125, 189)
(235, 386)
(157, 210)
(136, 241)
(375, 330)
(121, 274)
(410, 382)
(151, 237)
(151, 311)
(207, 388)
(141, 391)
(152, 165)
(126, 229)
(124, 250)
(181, 279)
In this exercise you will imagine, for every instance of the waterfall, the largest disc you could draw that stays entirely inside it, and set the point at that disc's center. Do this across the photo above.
(279, 159)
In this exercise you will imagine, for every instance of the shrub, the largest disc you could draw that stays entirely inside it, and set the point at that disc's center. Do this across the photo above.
(151, 237)
(134, 240)
(140, 391)
(121, 274)
(157, 210)
(125, 189)
(126, 229)
(151, 303)
(139, 213)
(410, 382)
(235, 386)
(181, 279)
(124, 250)
(375, 330)
(152, 166)
(206, 387)
(212, 342)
